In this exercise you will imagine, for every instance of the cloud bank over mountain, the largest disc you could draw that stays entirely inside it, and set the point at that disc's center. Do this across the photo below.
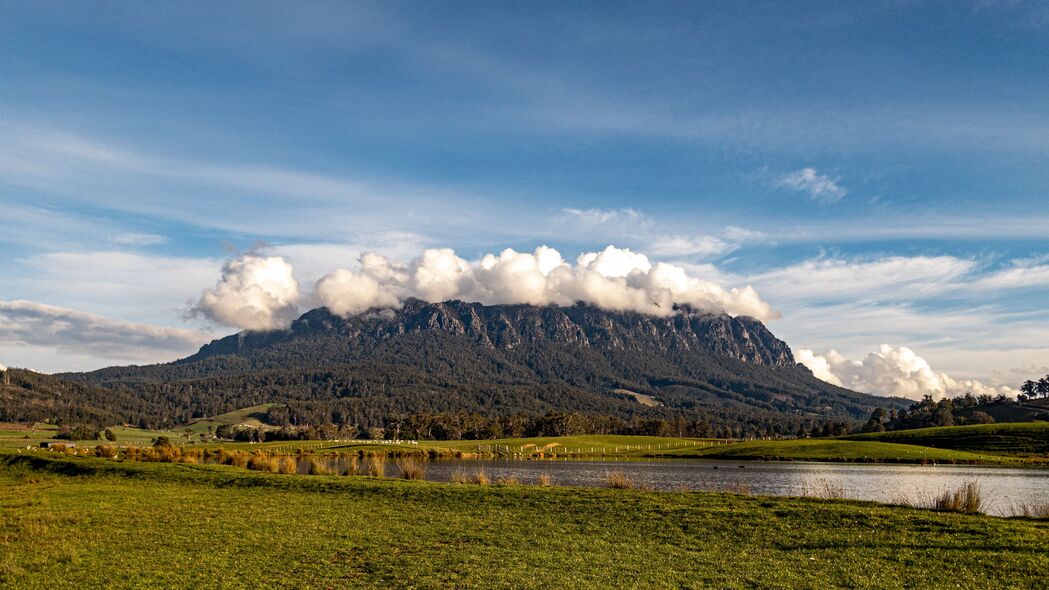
(253, 293)
(891, 370)
(260, 293)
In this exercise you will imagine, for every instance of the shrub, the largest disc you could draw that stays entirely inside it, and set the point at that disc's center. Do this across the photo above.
(107, 451)
(110, 435)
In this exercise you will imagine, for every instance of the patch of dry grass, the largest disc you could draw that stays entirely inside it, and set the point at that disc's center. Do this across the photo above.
(411, 467)
(619, 481)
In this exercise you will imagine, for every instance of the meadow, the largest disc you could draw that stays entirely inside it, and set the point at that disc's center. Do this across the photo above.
(1021, 439)
(1004, 444)
(88, 522)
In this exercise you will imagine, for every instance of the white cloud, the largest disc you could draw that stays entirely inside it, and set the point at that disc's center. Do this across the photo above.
(254, 293)
(689, 246)
(28, 323)
(143, 288)
(891, 372)
(823, 189)
(1022, 273)
(838, 278)
(614, 278)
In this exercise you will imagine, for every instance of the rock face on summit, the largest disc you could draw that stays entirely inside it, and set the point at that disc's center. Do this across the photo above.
(510, 327)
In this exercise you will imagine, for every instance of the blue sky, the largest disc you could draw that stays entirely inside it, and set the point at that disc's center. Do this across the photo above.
(877, 171)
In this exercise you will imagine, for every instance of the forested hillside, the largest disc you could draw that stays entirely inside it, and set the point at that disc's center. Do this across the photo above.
(376, 368)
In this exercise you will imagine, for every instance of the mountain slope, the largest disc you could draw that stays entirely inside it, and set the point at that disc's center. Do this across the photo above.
(498, 360)
(34, 397)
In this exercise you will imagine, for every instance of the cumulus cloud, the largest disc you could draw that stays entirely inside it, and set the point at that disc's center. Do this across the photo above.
(614, 278)
(254, 293)
(28, 323)
(891, 371)
(823, 189)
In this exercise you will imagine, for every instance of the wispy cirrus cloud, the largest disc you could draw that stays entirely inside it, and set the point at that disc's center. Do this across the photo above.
(820, 188)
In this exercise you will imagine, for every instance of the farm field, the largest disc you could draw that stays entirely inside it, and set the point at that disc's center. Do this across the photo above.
(1021, 438)
(1009, 444)
(111, 526)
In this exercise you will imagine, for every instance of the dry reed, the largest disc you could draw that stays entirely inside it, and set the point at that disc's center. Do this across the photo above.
(619, 481)
(411, 467)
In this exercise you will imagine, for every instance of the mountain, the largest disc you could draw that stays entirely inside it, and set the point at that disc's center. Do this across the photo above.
(497, 360)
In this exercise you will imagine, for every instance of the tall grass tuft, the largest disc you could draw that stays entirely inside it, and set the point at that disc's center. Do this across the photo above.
(507, 480)
(967, 499)
(261, 462)
(349, 464)
(1031, 510)
(619, 481)
(480, 477)
(460, 476)
(411, 467)
(288, 466)
(377, 465)
(825, 490)
(319, 466)
(544, 480)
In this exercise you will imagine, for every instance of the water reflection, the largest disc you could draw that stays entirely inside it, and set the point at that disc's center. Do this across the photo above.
(1005, 488)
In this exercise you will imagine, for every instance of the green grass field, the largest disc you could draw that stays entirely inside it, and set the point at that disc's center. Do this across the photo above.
(88, 523)
(1024, 443)
(1020, 439)
(251, 416)
(19, 436)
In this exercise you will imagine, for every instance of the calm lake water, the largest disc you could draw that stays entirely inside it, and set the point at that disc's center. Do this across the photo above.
(1004, 488)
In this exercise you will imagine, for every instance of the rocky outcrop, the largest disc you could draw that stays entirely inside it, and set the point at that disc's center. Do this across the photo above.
(513, 326)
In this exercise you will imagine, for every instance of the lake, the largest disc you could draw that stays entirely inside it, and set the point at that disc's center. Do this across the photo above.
(1003, 487)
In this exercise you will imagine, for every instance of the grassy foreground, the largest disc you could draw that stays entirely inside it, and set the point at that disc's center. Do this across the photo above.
(85, 522)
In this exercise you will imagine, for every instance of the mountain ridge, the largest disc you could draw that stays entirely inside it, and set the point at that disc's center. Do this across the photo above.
(509, 326)
(498, 360)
